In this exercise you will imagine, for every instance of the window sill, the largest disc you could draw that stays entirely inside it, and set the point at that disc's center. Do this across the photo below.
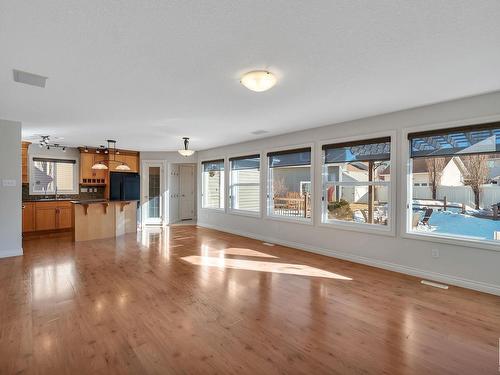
(360, 227)
(255, 215)
(289, 220)
(457, 241)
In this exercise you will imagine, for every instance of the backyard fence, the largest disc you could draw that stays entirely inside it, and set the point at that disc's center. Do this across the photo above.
(490, 194)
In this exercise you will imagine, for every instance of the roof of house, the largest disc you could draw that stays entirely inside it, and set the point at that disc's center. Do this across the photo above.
(419, 165)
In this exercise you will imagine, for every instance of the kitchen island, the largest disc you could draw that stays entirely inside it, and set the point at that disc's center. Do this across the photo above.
(99, 219)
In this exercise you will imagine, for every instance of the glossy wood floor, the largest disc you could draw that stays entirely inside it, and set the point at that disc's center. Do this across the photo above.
(196, 301)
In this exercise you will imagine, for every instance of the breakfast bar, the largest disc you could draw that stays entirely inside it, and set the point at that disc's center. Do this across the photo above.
(100, 219)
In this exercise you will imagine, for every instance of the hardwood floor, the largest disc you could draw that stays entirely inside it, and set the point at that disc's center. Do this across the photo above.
(196, 301)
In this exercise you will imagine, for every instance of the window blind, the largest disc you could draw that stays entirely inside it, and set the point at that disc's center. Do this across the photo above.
(465, 140)
(245, 162)
(213, 165)
(364, 150)
(290, 158)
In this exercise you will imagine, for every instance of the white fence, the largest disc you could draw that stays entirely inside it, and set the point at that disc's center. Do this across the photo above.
(490, 194)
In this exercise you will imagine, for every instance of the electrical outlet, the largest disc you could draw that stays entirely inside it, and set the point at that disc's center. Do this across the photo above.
(435, 253)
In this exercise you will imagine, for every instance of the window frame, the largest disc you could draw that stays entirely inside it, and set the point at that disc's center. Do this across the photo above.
(266, 194)
(223, 189)
(406, 191)
(76, 176)
(234, 211)
(390, 228)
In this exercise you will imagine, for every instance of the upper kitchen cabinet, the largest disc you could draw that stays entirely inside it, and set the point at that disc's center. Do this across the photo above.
(129, 158)
(24, 162)
(89, 157)
(89, 176)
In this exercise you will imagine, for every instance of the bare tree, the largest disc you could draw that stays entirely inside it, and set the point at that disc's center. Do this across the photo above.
(279, 187)
(476, 174)
(435, 167)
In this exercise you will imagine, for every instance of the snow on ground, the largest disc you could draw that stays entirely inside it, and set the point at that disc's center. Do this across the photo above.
(455, 223)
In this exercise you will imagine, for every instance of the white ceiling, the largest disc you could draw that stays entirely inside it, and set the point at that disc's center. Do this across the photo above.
(150, 72)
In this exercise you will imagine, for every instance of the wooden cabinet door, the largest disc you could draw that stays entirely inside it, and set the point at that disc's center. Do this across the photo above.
(133, 163)
(86, 162)
(45, 218)
(24, 162)
(28, 217)
(99, 174)
(64, 218)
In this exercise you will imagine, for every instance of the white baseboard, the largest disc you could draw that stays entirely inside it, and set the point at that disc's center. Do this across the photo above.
(447, 279)
(11, 253)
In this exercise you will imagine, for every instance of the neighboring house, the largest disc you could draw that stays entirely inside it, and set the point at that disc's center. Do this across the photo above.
(453, 173)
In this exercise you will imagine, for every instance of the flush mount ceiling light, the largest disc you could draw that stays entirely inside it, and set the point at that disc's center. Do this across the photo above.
(258, 80)
(186, 151)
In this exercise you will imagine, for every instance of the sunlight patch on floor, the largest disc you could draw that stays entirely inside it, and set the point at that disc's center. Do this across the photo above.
(262, 266)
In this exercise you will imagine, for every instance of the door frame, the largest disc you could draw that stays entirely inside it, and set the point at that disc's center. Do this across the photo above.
(163, 192)
(193, 167)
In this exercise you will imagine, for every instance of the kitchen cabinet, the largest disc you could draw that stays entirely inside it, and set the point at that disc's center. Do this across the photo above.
(133, 162)
(24, 162)
(64, 218)
(45, 216)
(53, 215)
(89, 176)
(28, 217)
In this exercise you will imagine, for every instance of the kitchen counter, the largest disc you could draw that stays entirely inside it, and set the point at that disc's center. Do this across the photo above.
(48, 200)
(99, 219)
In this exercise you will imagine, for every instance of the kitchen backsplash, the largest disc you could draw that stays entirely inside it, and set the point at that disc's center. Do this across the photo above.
(89, 194)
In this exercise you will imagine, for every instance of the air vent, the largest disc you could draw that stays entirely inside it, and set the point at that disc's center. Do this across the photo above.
(259, 132)
(29, 78)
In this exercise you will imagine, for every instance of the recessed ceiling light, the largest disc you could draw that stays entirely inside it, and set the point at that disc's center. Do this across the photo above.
(258, 80)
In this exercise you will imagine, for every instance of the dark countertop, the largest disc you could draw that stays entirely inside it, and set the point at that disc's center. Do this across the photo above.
(48, 200)
(94, 201)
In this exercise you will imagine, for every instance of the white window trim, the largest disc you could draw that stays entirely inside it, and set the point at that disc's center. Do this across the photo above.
(265, 164)
(390, 228)
(239, 212)
(76, 177)
(200, 168)
(406, 191)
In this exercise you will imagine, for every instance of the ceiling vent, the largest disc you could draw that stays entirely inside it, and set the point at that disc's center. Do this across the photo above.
(259, 132)
(29, 78)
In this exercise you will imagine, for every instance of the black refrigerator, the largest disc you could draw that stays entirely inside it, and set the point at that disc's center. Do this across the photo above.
(124, 186)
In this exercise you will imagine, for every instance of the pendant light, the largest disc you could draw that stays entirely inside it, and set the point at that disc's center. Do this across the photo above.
(110, 150)
(186, 151)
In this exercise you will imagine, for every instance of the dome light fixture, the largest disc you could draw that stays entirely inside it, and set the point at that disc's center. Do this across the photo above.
(258, 80)
(186, 151)
(123, 167)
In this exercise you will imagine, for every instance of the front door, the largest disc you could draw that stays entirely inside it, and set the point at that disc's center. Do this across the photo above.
(152, 193)
(187, 191)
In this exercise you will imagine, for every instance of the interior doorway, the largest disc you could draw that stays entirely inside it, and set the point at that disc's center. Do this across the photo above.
(152, 193)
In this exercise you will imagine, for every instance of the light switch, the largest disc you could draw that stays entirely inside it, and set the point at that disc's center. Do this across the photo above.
(8, 183)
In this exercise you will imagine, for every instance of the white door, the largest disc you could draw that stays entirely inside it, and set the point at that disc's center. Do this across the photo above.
(187, 191)
(152, 193)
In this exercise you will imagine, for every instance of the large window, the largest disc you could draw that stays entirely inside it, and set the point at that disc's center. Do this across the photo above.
(212, 193)
(453, 182)
(289, 184)
(356, 182)
(244, 183)
(51, 175)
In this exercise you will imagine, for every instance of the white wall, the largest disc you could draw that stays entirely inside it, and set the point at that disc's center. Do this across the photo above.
(10, 196)
(459, 264)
